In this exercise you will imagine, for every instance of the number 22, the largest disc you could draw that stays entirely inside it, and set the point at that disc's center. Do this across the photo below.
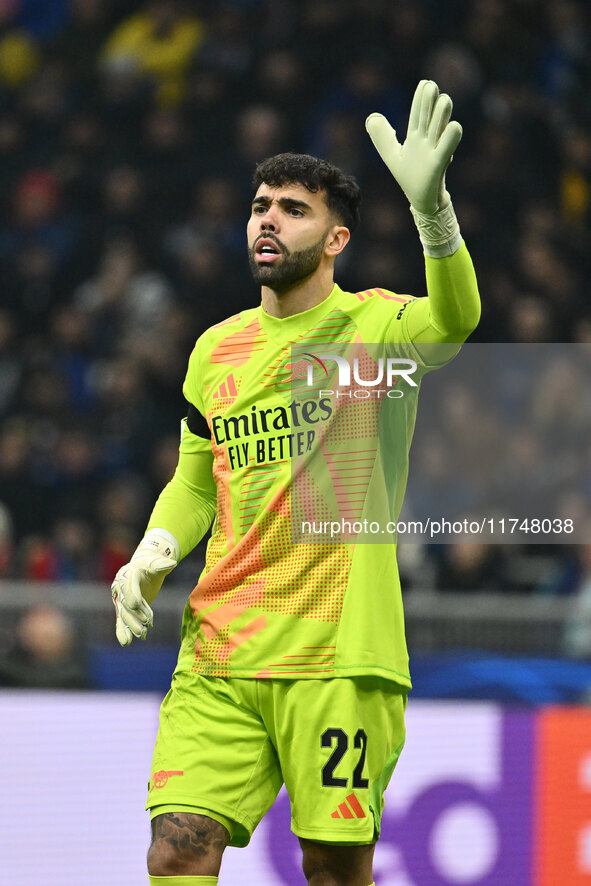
(329, 736)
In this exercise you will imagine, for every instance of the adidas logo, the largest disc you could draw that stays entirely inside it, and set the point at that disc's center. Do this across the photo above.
(351, 808)
(227, 390)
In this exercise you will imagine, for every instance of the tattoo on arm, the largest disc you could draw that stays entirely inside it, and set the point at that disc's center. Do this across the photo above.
(189, 833)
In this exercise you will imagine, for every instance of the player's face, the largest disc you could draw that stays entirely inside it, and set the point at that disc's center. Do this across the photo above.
(287, 233)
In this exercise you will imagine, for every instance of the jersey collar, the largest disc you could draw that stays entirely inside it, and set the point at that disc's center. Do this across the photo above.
(298, 323)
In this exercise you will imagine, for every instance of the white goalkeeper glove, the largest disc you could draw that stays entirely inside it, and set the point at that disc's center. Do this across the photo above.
(420, 163)
(137, 583)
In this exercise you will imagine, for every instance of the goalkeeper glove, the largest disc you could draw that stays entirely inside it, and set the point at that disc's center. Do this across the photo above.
(137, 583)
(420, 163)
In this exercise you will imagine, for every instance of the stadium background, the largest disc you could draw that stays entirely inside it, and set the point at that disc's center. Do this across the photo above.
(128, 135)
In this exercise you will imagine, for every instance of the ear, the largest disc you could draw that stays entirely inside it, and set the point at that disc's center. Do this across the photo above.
(336, 240)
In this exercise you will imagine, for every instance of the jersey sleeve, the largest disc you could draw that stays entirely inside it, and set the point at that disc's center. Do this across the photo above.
(195, 433)
(187, 504)
(452, 310)
(436, 326)
(191, 384)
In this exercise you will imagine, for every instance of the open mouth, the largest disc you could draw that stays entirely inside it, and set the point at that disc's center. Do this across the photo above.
(266, 250)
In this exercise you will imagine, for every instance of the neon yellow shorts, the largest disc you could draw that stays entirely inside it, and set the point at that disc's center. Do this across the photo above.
(225, 747)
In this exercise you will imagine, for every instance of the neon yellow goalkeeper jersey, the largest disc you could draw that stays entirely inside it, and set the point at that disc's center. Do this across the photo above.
(267, 605)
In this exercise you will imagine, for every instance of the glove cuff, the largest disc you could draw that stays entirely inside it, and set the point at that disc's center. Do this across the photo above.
(158, 541)
(440, 232)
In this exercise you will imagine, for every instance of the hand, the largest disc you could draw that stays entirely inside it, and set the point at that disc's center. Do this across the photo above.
(419, 164)
(139, 581)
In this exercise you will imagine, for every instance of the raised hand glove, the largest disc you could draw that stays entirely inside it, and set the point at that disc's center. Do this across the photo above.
(420, 163)
(137, 583)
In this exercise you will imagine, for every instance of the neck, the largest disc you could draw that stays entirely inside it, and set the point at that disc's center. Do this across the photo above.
(304, 295)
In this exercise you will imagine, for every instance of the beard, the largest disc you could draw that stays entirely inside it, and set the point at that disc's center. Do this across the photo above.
(290, 269)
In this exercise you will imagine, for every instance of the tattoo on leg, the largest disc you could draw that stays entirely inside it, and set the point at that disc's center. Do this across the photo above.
(186, 832)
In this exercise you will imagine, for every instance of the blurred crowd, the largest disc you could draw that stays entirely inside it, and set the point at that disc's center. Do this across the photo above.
(129, 130)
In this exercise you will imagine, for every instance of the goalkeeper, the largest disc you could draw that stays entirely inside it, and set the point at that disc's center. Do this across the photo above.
(293, 666)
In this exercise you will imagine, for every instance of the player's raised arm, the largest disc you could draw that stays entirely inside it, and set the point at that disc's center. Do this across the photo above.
(419, 164)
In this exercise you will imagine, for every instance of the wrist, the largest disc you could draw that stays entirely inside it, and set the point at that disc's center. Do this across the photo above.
(158, 541)
(439, 232)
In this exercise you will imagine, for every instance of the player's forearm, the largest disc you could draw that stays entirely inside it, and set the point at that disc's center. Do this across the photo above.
(179, 520)
(452, 309)
(187, 504)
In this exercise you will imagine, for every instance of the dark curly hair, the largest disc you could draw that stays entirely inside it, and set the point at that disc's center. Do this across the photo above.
(343, 195)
